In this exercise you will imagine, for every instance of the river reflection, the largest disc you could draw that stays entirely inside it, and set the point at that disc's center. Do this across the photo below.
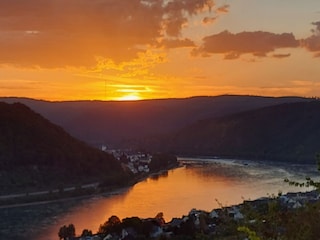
(176, 192)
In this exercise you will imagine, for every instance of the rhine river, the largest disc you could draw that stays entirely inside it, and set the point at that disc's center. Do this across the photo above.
(202, 184)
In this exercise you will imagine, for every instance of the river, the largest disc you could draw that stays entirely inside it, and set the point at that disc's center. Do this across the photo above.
(202, 184)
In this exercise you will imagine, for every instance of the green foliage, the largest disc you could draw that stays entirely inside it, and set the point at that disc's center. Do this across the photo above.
(252, 235)
(276, 222)
(309, 181)
(304, 223)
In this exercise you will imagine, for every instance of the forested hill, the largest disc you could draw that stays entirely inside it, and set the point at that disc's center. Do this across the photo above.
(288, 132)
(110, 122)
(36, 153)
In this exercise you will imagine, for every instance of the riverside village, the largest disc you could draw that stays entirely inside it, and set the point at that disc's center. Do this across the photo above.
(285, 216)
(270, 216)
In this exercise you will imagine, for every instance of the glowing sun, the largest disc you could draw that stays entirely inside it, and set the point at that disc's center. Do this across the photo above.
(129, 97)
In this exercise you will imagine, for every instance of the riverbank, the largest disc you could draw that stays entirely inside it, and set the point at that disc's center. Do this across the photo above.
(80, 191)
(26, 221)
(173, 193)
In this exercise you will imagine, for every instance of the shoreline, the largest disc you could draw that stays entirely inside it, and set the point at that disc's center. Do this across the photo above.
(27, 199)
(93, 189)
(105, 194)
(46, 215)
(240, 159)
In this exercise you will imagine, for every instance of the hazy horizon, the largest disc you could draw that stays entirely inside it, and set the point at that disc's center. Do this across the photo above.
(157, 99)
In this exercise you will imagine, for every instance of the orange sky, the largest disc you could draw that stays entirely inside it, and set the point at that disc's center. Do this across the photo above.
(142, 49)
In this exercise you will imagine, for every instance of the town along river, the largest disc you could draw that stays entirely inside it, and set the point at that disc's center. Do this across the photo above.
(201, 183)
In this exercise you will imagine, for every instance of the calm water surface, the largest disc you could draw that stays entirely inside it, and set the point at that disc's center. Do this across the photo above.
(201, 185)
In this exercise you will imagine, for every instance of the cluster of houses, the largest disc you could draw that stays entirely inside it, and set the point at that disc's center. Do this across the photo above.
(298, 200)
(290, 201)
(195, 221)
(209, 223)
(136, 162)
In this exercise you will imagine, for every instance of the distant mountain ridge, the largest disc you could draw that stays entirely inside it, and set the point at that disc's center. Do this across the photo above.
(287, 132)
(112, 122)
(36, 153)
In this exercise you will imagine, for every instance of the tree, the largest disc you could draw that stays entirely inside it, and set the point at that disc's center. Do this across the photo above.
(162, 160)
(67, 232)
(86, 233)
(112, 225)
(133, 222)
(63, 232)
(159, 218)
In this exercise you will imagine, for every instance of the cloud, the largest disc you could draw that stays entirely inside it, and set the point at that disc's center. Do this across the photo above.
(177, 43)
(281, 55)
(138, 67)
(219, 10)
(312, 43)
(231, 55)
(317, 30)
(256, 43)
(175, 17)
(56, 33)
(223, 9)
(208, 20)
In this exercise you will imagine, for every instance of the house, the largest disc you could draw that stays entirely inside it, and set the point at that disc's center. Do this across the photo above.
(156, 231)
(175, 222)
(108, 237)
(128, 234)
(213, 214)
(93, 237)
(235, 213)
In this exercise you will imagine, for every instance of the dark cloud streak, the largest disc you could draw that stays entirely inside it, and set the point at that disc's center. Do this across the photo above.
(257, 43)
(312, 43)
(281, 55)
(176, 43)
(208, 20)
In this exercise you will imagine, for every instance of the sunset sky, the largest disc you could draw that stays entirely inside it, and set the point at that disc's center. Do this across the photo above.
(143, 49)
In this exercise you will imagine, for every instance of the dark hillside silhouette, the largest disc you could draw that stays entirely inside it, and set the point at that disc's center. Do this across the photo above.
(36, 153)
(288, 131)
(111, 122)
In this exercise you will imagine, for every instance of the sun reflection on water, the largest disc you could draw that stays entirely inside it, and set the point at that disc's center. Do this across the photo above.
(176, 192)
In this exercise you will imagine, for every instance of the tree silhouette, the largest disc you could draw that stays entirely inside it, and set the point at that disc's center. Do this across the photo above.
(112, 225)
(160, 219)
(86, 233)
(67, 232)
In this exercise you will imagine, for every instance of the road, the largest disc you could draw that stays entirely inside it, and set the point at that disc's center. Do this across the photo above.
(67, 189)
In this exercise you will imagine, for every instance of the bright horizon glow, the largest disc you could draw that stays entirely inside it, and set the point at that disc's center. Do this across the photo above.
(129, 97)
(95, 51)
